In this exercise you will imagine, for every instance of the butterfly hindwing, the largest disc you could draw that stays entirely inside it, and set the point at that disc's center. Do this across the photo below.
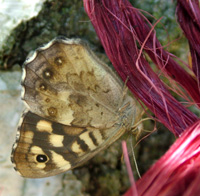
(46, 148)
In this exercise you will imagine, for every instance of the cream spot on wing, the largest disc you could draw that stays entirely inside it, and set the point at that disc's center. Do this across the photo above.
(65, 96)
(44, 125)
(56, 140)
(60, 161)
(98, 136)
(67, 117)
(28, 137)
(67, 114)
(37, 150)
(86, 138)
(41, 165)
(76, 148)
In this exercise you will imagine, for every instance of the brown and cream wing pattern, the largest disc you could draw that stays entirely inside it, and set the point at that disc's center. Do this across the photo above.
(76, 108)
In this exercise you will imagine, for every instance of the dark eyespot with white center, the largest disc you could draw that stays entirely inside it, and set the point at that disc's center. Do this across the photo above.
(47, 74)
(43, 87)
(47, 100)
(52, 111)
(58, 61)
(41, 158)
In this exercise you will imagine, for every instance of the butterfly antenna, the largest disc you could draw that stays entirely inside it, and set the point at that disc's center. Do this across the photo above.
(134, 159)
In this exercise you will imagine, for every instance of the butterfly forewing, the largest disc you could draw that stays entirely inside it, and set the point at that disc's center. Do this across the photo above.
(69, 81)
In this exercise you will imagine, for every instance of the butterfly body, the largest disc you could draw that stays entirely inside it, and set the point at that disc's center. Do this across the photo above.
(76, 108)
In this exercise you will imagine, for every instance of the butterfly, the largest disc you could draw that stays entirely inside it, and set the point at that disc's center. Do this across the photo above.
(75, 107)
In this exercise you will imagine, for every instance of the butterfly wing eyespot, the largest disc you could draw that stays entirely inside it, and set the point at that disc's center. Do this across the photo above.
(41, 158)
(59, 60)
(47, 74)
(42, 87)
(51, 111)
(74, 103)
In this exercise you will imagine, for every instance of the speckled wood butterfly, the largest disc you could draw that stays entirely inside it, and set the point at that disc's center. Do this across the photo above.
(75, 108)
